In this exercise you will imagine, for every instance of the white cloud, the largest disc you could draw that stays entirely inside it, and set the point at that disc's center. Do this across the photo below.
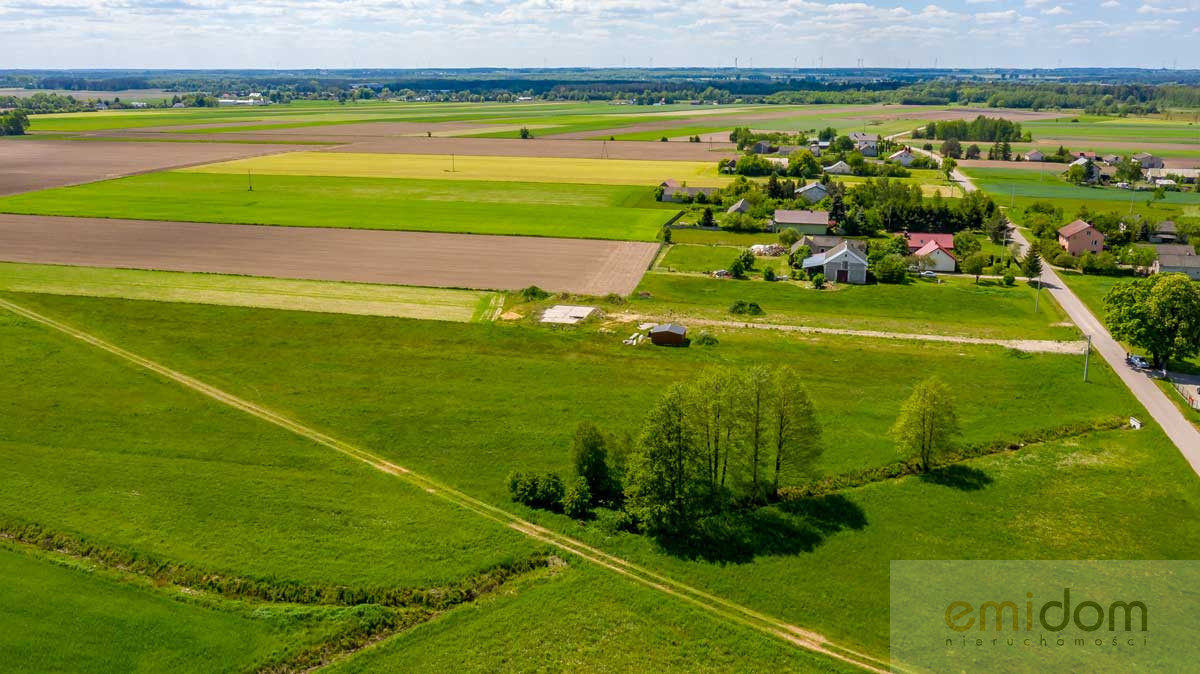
(1057, 10)
(981, 2)
(1035, 3)
(1155, 9)
(1110, 4)
(996, 17)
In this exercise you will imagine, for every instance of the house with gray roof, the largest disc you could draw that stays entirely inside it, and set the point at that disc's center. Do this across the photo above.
(1178, 264)
(823, 243)
(841, 264)
(840, 169)
(683, 194)
(866, 143)
(805, 222)
(812, 192)
(1147, 160)
(740, 207)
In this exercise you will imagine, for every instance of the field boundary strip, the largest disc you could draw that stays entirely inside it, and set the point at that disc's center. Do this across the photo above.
(717, 606)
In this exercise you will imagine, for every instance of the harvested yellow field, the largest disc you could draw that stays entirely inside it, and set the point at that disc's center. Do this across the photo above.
(466, 167)
(244, 291)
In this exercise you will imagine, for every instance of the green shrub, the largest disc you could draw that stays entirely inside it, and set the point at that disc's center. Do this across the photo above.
(577, 499)
(1009, 279)
(615, 521)
(818, 281)
(705, 339)
(533, 294)
(768, 274)
(536, 491)
(742, 307)
(891, 268)
(1065, 260)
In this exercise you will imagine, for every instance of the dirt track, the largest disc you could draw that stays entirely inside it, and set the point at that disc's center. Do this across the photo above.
(28, 164)
(371, 256)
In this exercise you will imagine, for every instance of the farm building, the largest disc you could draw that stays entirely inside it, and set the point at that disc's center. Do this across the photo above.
(1035, 155)
(740, 207)
(843, 264)
(903, 157)
(1091, 170)
(1167, 232)
(812, 193)
(761, 147)
(918, 240)
(1184, 174)
(668, 334)
(818, 243)
(685, 193)
(935, 258)
(805, 222)
(1178, 264)
(1111, 159)
(1147, 160)
(1079, 237)
(839, 169)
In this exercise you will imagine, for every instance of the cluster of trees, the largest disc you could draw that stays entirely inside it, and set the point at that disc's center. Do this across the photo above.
(893, 206)
(43, 103)
(725, 438)
(598, 464)
(988, 129)
(13, 123)
(1160, 314)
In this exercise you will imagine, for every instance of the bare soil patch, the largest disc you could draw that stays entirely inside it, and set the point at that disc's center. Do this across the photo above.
(27, 165)
(404, 258)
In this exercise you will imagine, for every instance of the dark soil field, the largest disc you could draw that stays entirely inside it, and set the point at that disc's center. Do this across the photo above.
(28, 164)
(404, 258)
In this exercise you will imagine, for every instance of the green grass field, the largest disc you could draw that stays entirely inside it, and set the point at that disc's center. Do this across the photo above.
(367, 375)
(365, 299)
(59, 618)
(690, 258)
(956, 306)
(533, 209)
(175, 475)
(366, 378)
(582, 619)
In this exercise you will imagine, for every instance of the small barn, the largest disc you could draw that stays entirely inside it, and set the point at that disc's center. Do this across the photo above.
(668, 334)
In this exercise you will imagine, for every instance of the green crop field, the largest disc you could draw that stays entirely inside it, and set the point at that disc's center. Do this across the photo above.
(692, 258)
(1019, 188)
(329, 297)
(1130, 129)
(535, 209)
(956, 306)
(474, 168)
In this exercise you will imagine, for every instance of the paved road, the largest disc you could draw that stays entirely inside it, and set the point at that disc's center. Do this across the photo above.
(1181, 431)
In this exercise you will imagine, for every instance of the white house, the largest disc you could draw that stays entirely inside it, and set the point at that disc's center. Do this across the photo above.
(841, 169)
(1035, 155)
(936, 258)
(902, 157)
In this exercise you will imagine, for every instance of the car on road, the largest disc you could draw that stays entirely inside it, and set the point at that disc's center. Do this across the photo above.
(928, 274)
(1138, 362)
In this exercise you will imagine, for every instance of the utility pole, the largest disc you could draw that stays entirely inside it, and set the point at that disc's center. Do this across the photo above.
(1038, 295)
(1087, 356)
(249, 182)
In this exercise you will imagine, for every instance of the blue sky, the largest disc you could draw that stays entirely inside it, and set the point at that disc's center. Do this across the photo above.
(534, 33)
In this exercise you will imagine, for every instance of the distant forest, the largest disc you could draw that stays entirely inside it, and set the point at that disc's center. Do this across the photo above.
(1098, 90)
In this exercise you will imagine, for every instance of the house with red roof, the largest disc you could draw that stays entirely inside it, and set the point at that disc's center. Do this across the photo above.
(1079, 237)
(932, 257)
(917, 241)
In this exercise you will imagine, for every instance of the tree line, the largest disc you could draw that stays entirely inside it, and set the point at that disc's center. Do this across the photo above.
(988, 129)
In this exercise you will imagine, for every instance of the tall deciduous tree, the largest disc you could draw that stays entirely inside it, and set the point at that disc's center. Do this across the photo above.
(974, 264)
(928, 424)
(795, 433)
(589, 454)
(1160, 314)
(666, 474)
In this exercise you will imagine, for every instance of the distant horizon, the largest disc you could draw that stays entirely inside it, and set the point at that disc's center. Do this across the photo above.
(315, 34)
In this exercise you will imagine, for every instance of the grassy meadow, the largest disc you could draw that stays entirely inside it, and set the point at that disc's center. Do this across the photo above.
(367, 377)
(441, 304)
(584, 619)
(640, 172)
(60, 618)
(956, 306)
(531, 209)
(174, 475)
(1130, 129)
